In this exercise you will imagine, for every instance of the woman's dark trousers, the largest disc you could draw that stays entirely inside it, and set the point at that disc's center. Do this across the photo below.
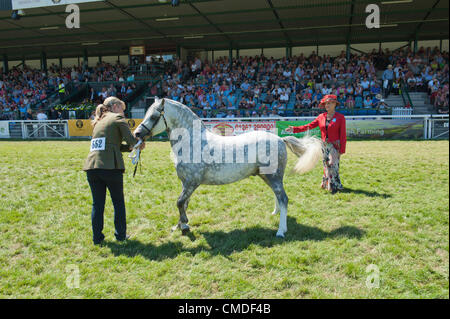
(99, 180)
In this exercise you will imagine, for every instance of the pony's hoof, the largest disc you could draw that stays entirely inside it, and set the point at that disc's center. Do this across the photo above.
(184, 229)
(280, 235)
(174, 228)
(274, 212)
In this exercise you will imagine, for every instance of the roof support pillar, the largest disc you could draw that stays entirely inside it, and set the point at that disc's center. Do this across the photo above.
(178, 51)
(415, 43)
(85, 59)
(60, 63)
(348, 50)
(230, 55)
(44, 61)
(5, 63)
(440, 45)
(288, 52)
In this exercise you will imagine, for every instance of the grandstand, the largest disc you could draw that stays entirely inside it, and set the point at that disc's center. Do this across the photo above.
(209, 48)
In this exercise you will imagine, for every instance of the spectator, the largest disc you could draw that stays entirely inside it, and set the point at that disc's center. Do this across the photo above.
(368, 103)
(349, 102)
(388, 80)
(274, 113)
(29, 115)
(41, 116)
(230, 115)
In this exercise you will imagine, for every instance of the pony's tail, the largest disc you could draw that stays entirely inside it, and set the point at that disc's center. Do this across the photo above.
(308, 149)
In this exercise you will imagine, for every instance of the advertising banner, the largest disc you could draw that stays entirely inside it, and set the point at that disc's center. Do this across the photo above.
(385, 129)
(4, 129)
(26, 4)
(83, 128)
(283, 125)
(367, 129)
(227, 128)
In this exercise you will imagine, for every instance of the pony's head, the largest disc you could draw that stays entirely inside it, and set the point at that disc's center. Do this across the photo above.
(153, 122)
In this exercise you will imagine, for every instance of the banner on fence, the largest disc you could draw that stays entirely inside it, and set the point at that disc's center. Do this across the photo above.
(283, 125)
(386, 129)
(82, 128)
(376, 129)
(227, 128)
(4, 129)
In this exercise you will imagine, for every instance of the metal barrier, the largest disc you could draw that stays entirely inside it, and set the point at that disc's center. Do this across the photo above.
(406, 112)
(437, 128)
(36, 129)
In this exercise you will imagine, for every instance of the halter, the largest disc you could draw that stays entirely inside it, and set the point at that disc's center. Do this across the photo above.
(136, 152)
(161, 112)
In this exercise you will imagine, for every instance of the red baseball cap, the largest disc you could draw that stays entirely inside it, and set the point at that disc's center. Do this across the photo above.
(328, 97)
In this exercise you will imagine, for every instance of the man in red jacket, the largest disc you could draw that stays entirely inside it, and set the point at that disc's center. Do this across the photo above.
(334, 137)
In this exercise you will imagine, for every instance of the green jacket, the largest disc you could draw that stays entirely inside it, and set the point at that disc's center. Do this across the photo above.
(106, 143)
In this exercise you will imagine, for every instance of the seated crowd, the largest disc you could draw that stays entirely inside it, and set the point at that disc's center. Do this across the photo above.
(23, 88)
(426, 71)
(260, 86)
(248, 86)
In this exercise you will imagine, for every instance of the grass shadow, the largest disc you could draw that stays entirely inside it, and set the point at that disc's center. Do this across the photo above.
(363, 192)
(226, 243)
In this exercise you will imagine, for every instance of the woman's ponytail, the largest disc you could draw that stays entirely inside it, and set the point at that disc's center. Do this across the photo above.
(100, 112)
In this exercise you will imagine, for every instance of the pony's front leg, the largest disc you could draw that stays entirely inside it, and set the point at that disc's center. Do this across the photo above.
(182, 204)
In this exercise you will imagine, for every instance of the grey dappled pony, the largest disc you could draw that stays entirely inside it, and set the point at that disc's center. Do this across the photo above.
(203, 157)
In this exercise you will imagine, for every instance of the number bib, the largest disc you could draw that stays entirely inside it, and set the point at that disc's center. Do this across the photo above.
(98, 144)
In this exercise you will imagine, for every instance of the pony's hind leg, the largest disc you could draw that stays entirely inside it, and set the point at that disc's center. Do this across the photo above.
(276, 184)
(276, 210)
(182, 204)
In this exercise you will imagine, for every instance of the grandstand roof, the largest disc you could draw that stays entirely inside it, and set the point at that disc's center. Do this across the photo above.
(215, 25)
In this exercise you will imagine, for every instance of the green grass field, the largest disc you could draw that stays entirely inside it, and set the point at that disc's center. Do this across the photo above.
(394, 214)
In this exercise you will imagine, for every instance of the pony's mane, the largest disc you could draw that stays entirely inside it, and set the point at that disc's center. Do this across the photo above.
(185, 112)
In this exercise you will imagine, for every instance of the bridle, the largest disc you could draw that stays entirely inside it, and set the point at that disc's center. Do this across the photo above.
(161, 112)
(135, 154)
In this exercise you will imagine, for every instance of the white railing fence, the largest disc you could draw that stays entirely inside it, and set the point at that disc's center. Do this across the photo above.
(435, 126)
(34, 129)
(403, 111)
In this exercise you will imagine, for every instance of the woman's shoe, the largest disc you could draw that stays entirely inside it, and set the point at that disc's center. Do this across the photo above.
(125, 239)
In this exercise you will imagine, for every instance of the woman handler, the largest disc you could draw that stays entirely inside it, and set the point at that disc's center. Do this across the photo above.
(332, 128)
(104, 165)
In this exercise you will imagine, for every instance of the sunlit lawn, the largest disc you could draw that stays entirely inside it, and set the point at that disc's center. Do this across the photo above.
(394, 214)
